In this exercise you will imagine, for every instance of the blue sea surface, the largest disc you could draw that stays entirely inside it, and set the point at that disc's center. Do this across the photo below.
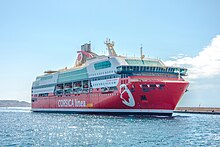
(21, 127)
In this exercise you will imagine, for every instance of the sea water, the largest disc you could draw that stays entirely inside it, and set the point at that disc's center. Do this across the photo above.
(21, 127)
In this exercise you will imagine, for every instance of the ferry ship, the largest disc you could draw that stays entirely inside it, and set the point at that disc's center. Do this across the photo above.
(110, 84)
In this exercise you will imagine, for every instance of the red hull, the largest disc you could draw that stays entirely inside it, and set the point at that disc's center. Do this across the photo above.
(146, 96)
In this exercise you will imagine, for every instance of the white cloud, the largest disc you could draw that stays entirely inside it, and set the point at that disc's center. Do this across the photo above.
(205, 64)
(204, 75)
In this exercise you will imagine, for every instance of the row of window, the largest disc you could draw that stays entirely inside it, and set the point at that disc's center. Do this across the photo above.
(73, 72)
(124, 81)
(47, 77)
(102, 65)
(43, 86)
(104, 77)
(148, 87)
(43, 95)
(72, 77)
(102, 73)
(78, 95)
(73, 91)
(148, 68)
(95, 95)
(77, 84)
(143, 62)
(124, 75)
(103, 84)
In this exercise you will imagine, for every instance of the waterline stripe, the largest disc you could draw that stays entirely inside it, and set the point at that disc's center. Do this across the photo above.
(105, 110)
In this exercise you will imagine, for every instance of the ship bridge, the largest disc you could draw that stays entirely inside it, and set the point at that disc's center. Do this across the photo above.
(127, 69)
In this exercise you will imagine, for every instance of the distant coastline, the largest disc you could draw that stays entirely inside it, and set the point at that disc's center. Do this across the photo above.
(14, 103)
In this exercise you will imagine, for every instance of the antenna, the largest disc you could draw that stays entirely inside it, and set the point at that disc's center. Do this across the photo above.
(141, 50)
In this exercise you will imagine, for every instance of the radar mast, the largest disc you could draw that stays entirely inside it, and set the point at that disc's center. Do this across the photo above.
(142, 56)
(110, 47)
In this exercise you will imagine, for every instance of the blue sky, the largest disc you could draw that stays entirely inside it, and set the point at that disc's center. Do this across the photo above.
(45, 34)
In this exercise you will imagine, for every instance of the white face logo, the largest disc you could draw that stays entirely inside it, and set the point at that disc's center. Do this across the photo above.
(130, 102)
